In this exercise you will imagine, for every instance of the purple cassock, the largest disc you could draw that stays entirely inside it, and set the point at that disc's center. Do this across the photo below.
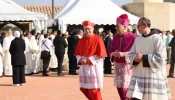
(122, 72)
(122, 43)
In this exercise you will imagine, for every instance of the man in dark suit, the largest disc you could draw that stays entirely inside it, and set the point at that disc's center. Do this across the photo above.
(18, 59)
(107, 62)
(73, 41)
(60, 45)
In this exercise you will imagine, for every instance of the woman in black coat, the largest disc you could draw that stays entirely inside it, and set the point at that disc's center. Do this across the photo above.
(18, 59)
(72, 44)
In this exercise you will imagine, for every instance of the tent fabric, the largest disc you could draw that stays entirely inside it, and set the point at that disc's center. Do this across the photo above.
(101, 12)
(98, 11)
(10, 11)
(60, 11)
(65, 7)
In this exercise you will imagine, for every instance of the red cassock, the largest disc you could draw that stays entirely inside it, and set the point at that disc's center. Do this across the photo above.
(87, 47)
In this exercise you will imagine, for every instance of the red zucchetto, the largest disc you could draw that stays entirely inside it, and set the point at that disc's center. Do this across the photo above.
(87, 23)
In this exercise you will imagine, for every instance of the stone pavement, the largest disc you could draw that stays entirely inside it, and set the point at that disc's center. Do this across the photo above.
(57, 88)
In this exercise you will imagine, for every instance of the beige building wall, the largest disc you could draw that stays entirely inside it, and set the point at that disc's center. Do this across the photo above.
(137, 1)
(172, 16)
(162, 15)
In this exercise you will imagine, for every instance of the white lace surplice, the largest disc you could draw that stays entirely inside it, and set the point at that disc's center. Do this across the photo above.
(91, 76)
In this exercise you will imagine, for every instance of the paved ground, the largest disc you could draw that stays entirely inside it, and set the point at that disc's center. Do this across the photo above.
(57, 88)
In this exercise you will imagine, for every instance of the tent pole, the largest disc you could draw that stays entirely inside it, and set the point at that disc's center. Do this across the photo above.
(52, 13)
(52, 9)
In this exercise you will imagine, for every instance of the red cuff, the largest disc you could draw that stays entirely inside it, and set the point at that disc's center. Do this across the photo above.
(88, 61)
(79, 63)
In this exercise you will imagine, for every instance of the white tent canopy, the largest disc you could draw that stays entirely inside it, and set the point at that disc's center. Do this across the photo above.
(65, 7)
(98, 11)
(10, 11)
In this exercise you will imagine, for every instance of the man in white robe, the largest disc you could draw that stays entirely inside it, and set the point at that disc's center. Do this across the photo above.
(1, 66)
(35, 51)
(41, 38)
(149, 80)
(53, 61)
(6, 54)
(28, 51)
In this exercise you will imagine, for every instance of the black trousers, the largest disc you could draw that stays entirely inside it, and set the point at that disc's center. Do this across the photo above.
(171, 70)
(72, 63)
(18, 74)
(107, 65)
(46, 61)
(60, 62)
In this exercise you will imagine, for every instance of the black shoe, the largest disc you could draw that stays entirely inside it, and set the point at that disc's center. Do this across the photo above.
(169, 76)
(77, 68)
(36, 73)
(70, 73)
(45, 75)
(107, 73)
(60, 74)
(29, 74)
(54, 70)
(74, 74)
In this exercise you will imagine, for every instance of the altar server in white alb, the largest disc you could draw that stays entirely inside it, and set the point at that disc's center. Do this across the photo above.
(35, 51)
(28, 50)
(6, 54)
(53, 61)
(149, 80)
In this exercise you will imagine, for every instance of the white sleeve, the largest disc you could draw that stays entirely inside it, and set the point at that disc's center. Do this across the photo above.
(5, 44)
(129, 57)
(95, 59)
(78, 58)
(156, 60)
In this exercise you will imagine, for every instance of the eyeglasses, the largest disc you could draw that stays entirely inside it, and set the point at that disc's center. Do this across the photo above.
(140, 25)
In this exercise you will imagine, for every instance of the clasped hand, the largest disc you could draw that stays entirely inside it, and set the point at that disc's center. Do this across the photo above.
(118, 54)
(83, 61)
(138, 57)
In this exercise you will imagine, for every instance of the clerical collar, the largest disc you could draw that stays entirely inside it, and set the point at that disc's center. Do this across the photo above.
(151, 33)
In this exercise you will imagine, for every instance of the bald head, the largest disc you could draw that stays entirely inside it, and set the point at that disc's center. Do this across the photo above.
(66, 34)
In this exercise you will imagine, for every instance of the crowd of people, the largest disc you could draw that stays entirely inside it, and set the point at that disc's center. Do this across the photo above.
(43, 52)
(139, 58)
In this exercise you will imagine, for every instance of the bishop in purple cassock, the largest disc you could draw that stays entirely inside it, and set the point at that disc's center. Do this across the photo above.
(119, 48)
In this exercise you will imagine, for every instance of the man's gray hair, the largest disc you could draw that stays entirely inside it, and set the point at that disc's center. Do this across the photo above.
(145, 21)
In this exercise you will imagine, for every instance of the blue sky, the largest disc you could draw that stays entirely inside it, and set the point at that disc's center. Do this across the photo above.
(59, 2)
